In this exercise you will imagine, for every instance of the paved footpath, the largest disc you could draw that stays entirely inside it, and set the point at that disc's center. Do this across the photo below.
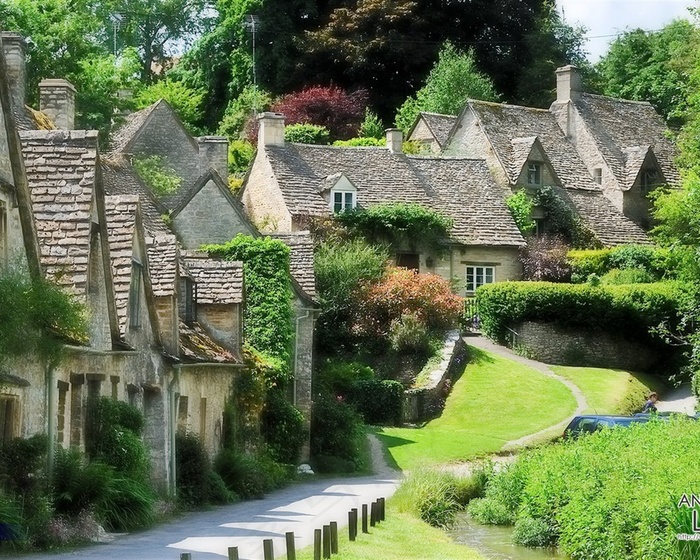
(300, 508)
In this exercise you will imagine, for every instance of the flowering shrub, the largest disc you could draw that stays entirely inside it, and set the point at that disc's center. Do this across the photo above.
(427, 298)
(544, 259)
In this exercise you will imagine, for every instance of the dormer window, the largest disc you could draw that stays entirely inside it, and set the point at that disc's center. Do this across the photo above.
(534, 173)
(649, 178)
(343, 200)
(598, 175)
(135, 295)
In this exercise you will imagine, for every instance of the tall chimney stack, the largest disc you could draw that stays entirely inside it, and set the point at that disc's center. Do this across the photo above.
(394, 140)
(568, 83)
(213, 152)
(57, 101)
(15, 65)
(271, 129)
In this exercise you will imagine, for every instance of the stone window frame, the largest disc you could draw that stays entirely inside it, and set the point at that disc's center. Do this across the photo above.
(343, 204)
(598, 175)
(534, 173)
(9, 417)
(472, 270)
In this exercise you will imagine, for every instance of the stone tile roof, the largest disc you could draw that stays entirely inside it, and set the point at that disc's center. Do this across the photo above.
(381, 177)
(301, 259)
(466, 193)
(218, 281)
(61, 175)
(504, 124)
(120, 212)
(197, 346)
(439, 125)
(163, 258)
(617, 125)
(127, 131)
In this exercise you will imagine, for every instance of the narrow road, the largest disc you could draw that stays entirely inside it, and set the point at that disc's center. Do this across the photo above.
(300, 508)
(581, 404)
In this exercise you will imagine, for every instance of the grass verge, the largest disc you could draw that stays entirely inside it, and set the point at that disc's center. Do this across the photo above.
(611, 391)
(494, 401)
(400, 536)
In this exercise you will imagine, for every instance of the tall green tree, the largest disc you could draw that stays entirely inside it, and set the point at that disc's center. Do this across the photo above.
(652, 66)
(454, 79)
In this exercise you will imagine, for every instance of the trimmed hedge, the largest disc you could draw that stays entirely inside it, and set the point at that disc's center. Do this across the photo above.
(627, 310)
(655, 261)
(378, 401)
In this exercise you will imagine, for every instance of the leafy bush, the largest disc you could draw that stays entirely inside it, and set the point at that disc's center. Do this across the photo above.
(613, 494)
(372, 126)
(79, 485)
(304, 133)
(409, 333)
(625, 310)
(128, 505)
(655, 261)
(21, 463)
(197, 484)
(239, 114)
(520, 205)
(378, 401)
(185, 101)
(561, 220)
(535, 533)
(627, 276)
(544, 259)
(331, 107)
(282, 426)
(336, 432)
(337, 377)
(250, 476)
(240, 155)
(160, 178)
(361, 143)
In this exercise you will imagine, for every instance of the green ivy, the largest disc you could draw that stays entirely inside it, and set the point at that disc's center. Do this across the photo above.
(399, 225)
(268, 311)
(304, 133)
(562, 220)
(161, 179)
(520, 205)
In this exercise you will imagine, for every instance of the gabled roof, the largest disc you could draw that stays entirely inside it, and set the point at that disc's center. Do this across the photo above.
(503, 124)
(60, 168)
(122, 137)
(218, 281)
(163, 254)
(301, 259)
(182, 199)
(618, 125)
(439, 125)
(383, 177)
(197, 346)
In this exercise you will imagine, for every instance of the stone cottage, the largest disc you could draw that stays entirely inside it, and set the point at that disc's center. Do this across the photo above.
(146, 345)
(289, 182)
(204, 211)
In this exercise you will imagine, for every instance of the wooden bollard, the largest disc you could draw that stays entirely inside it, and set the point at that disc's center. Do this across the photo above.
(268, 549)
(373, 514)
(186, 556)
(334, 537)
(364, 518)
(291, 550)
(326, 541)
(382, 509)
(317, 544)
(232, 553)
(352, 524)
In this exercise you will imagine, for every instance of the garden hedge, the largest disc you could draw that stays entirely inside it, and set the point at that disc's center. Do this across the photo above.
(656, 261)
(627, 310)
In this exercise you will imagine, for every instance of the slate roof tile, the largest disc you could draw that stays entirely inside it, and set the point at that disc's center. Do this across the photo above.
(301, 259)
(197, 346)
(218, 281)
(126, 132)
(439, 125)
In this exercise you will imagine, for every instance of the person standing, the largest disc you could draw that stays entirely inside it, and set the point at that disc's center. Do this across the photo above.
(650, 405)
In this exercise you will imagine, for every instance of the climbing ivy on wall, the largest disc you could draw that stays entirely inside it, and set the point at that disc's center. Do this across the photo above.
(268, 310)
(562, 220)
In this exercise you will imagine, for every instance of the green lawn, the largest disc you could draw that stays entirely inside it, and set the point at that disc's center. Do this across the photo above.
(400, 536)
(494, 401)
(611, 391)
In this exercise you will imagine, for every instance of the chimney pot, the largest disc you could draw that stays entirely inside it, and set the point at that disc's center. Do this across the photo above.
(15, 66)
(57, 101)
(394, 140)
(568, 83)
(271, 129)
(213, 152)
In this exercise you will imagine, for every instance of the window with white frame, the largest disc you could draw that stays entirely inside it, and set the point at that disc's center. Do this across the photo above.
(534, 173)
(343, 200)
(478, 275)
(598, 175)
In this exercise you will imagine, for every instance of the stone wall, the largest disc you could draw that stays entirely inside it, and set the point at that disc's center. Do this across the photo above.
(263, 200)
(304, 324)
(423, 403)
(554, 345)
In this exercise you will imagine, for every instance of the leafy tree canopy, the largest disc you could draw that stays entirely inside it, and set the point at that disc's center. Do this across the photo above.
(185, 101)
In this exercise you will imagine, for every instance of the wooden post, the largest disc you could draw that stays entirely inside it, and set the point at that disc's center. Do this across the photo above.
(326, 541)
(232, 553)
(352, 524)
(268, 549)
(373, 514)
(291, 550)
(317, 544)
(334, 537)
(364, 518)
(186, 556)
(382, 509)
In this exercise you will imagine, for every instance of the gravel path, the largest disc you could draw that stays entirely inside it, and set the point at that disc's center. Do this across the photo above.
(484, 343)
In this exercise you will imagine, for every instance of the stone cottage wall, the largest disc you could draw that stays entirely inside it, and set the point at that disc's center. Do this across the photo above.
(304, 323)
(554, 345)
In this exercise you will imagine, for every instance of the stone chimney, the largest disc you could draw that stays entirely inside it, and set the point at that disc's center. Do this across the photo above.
(213, 152)
(394, 140)
(57, 101)
(15, 65)
(568, 83)
(271, 129)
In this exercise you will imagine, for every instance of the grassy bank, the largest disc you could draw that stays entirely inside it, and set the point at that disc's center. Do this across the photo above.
(494, 401)
(400, 536)
(611, 391)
